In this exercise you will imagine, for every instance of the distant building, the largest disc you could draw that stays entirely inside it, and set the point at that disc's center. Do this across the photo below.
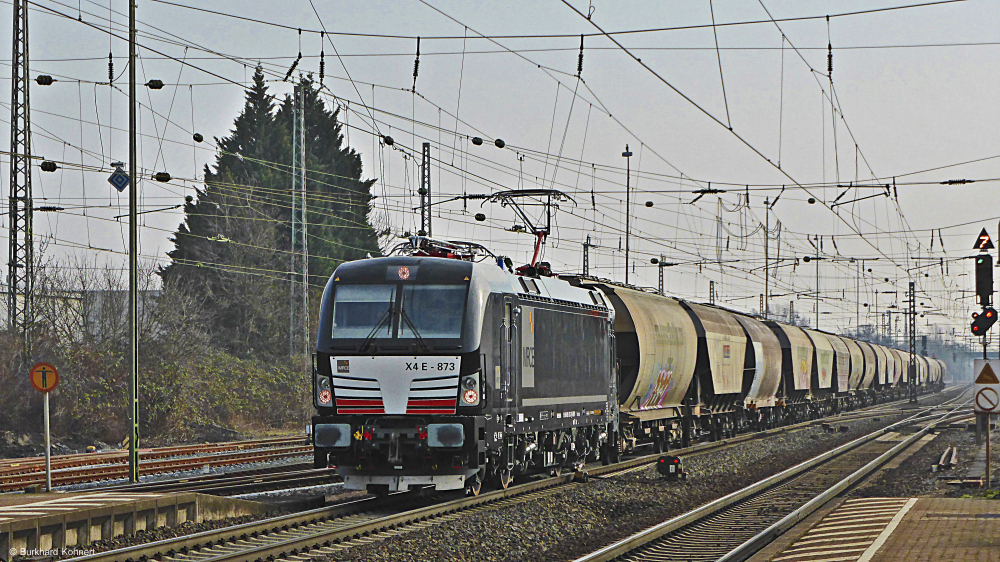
(83, 314)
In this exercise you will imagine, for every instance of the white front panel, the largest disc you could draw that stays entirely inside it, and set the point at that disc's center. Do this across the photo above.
(396, 379)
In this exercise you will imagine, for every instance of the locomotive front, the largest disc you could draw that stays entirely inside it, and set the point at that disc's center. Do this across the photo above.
(398, 379)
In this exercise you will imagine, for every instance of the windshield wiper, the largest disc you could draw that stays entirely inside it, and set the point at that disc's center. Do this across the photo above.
(378, 326)
(409, 323)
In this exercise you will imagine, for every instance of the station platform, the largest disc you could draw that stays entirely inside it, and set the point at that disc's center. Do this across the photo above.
(54, 521)
(892, 530)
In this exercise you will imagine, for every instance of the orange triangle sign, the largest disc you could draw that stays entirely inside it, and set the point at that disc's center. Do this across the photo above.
(987, 376)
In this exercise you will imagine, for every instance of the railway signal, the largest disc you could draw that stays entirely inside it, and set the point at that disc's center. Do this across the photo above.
(981, 323)
(984, 279)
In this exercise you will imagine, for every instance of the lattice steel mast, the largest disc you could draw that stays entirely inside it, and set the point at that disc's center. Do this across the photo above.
(298, 326)
(21, 259)
(425, 191)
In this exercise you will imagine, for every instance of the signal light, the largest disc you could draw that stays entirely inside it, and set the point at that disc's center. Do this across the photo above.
(981, 323)
(670, 467)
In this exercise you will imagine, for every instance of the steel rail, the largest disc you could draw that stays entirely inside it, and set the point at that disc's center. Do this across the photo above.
(763, 538)
(29, 464)
(646, 536)
(224, 539)
(112, 471)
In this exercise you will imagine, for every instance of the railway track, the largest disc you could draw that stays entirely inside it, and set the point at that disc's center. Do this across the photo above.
(298, 475)
(734, 527)
(17, 474)
(325, 531)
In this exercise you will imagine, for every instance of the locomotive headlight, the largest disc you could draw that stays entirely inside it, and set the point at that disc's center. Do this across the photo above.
(470, 390)
(323, 394)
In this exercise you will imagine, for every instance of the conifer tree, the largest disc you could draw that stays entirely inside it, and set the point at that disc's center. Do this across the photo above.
(232, 251)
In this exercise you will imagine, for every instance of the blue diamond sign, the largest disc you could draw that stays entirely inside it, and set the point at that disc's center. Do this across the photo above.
(119, 179)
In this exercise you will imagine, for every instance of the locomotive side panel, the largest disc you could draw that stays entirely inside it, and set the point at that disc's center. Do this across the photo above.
(564, 360)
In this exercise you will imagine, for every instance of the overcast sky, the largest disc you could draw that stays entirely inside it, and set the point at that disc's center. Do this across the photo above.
(915, 89)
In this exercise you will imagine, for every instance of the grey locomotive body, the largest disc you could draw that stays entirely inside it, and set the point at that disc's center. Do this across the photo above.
(444, 372)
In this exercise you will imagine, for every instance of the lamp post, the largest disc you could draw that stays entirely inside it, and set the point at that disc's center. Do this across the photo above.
(808, 259)
(660, 264)
(628, 177)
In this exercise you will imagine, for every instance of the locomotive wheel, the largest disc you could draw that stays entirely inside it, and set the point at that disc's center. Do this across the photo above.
(473, 486)
(503, 479)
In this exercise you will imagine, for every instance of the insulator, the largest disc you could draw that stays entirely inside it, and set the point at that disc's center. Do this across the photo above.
(387, 140)
(155, 84)
(292, 68)
(416, 63)
(49, 166)
(499, 143)
(322, 68)
(198, 137)
(579, 62)
(480, 217)
(111, 69)
(162, 177)
(416, 66)
(829, 59)
(477, 141)
(44, 80)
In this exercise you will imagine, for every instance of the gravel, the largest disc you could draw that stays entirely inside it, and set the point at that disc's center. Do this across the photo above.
(914, 478)
(333, 496)
(580, 519)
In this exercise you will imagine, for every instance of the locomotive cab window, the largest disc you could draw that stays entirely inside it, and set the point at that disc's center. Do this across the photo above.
(391, 311)
(358, 309)
(434, 311)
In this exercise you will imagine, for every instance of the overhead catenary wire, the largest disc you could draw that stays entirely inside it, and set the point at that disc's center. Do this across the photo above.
(576, 165)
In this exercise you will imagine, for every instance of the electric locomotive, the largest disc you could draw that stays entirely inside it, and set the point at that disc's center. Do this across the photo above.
(435, 369)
